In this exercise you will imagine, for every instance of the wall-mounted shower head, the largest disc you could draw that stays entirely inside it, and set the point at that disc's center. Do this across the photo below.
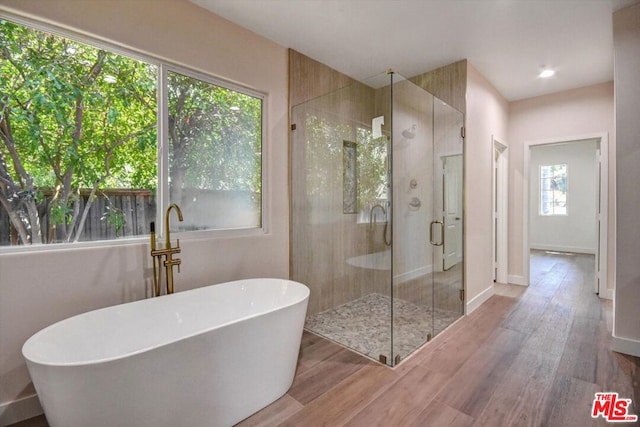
(409, 133)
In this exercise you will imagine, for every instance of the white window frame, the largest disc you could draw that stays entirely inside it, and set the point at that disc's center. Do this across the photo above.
(540, 191)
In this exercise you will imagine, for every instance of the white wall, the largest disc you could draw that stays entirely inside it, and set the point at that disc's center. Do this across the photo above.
(559, 116)
(576, 231)
(39, 288)
(626, 38)
(486, 118)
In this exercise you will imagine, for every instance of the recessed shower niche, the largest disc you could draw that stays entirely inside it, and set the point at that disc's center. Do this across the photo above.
(377, 215)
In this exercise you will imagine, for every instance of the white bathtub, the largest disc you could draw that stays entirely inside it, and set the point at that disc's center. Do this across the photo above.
(206, 357)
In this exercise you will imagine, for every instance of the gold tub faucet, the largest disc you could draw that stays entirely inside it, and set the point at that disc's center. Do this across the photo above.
(167, 253)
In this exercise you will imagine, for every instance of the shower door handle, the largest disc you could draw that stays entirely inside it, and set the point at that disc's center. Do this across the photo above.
(441, 233)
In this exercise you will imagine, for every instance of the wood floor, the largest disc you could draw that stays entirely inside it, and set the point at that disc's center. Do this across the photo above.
(527, 357)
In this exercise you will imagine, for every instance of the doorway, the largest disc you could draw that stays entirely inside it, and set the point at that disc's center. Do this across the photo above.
(500, 212)
(565, 200)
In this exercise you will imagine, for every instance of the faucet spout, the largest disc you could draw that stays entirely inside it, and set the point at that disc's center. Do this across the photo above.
(372, 215)
(166, 222)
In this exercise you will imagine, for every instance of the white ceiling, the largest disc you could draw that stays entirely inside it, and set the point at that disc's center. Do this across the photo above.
(508, 41)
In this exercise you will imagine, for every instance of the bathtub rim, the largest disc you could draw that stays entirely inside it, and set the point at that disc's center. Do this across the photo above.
(97, 361)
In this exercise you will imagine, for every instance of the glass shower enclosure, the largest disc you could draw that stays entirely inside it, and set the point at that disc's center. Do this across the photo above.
(377, 215)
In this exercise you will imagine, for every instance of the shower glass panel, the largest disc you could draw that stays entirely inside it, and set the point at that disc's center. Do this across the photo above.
(448, 300)
(427, 204)
(413, 208)
(377, 215)
(341, 230)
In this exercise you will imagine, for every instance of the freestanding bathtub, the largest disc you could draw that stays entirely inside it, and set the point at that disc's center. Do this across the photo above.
(206, 357)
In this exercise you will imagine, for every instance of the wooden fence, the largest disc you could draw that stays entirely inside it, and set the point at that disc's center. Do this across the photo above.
(138, 208)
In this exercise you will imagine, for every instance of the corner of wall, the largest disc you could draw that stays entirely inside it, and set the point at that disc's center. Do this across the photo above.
(479, 299)
(625, 346)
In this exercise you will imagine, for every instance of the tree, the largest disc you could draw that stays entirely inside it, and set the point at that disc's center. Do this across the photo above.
(215, 137)
(71, 117)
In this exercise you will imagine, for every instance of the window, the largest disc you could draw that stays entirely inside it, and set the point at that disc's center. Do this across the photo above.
(79, 144)
(215, 139)
(553, 190)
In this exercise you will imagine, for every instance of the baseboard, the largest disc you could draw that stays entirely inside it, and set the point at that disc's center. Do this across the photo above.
(517, 280)
(20, 410)
(626, 346)
(479, 299)
(606, 294)
(561, 248)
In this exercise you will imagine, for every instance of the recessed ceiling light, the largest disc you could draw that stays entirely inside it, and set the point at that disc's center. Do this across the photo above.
(546, 73)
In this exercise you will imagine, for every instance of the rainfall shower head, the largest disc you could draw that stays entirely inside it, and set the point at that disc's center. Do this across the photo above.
(409, 133)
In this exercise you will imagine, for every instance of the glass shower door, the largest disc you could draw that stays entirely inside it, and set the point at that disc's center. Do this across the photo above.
(448, 298)
(413, 204)
(427, 216)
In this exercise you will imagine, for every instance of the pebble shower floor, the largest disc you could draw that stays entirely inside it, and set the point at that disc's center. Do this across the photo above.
(364, 325)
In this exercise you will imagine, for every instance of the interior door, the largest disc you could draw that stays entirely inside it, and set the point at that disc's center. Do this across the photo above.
(452, 203)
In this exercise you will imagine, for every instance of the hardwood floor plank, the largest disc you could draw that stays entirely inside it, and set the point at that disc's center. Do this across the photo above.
(471, 388)
(507, 290)
(318, 379)
(403, 402)
(313, 350)
(439, 414)
(526, 316)
(39, 421)
(282, 408)
(580, 356)
(343, 401)
(552, 331)
(569, 403)
(519, 398)
(451, 350)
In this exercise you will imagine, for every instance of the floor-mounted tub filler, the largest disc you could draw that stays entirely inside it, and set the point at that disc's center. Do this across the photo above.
(206, 357)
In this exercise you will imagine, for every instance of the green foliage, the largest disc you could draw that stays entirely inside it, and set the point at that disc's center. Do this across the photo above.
(372, 168)
(72, 116)
(60, 213)
(114, 217)
(215, 135)
(75, 107)
(325, 136)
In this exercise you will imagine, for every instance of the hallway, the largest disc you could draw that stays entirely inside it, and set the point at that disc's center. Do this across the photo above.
(527, 357)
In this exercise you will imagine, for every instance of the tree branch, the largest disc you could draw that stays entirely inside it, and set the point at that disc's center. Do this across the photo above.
(7, 136)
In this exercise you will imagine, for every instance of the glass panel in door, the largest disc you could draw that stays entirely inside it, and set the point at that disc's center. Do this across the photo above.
(413, 195)
(448, 164)
(341, 231)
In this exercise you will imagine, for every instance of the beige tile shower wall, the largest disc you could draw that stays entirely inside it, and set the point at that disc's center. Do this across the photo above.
(309, 79)
(449, 83)
(323, 238)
